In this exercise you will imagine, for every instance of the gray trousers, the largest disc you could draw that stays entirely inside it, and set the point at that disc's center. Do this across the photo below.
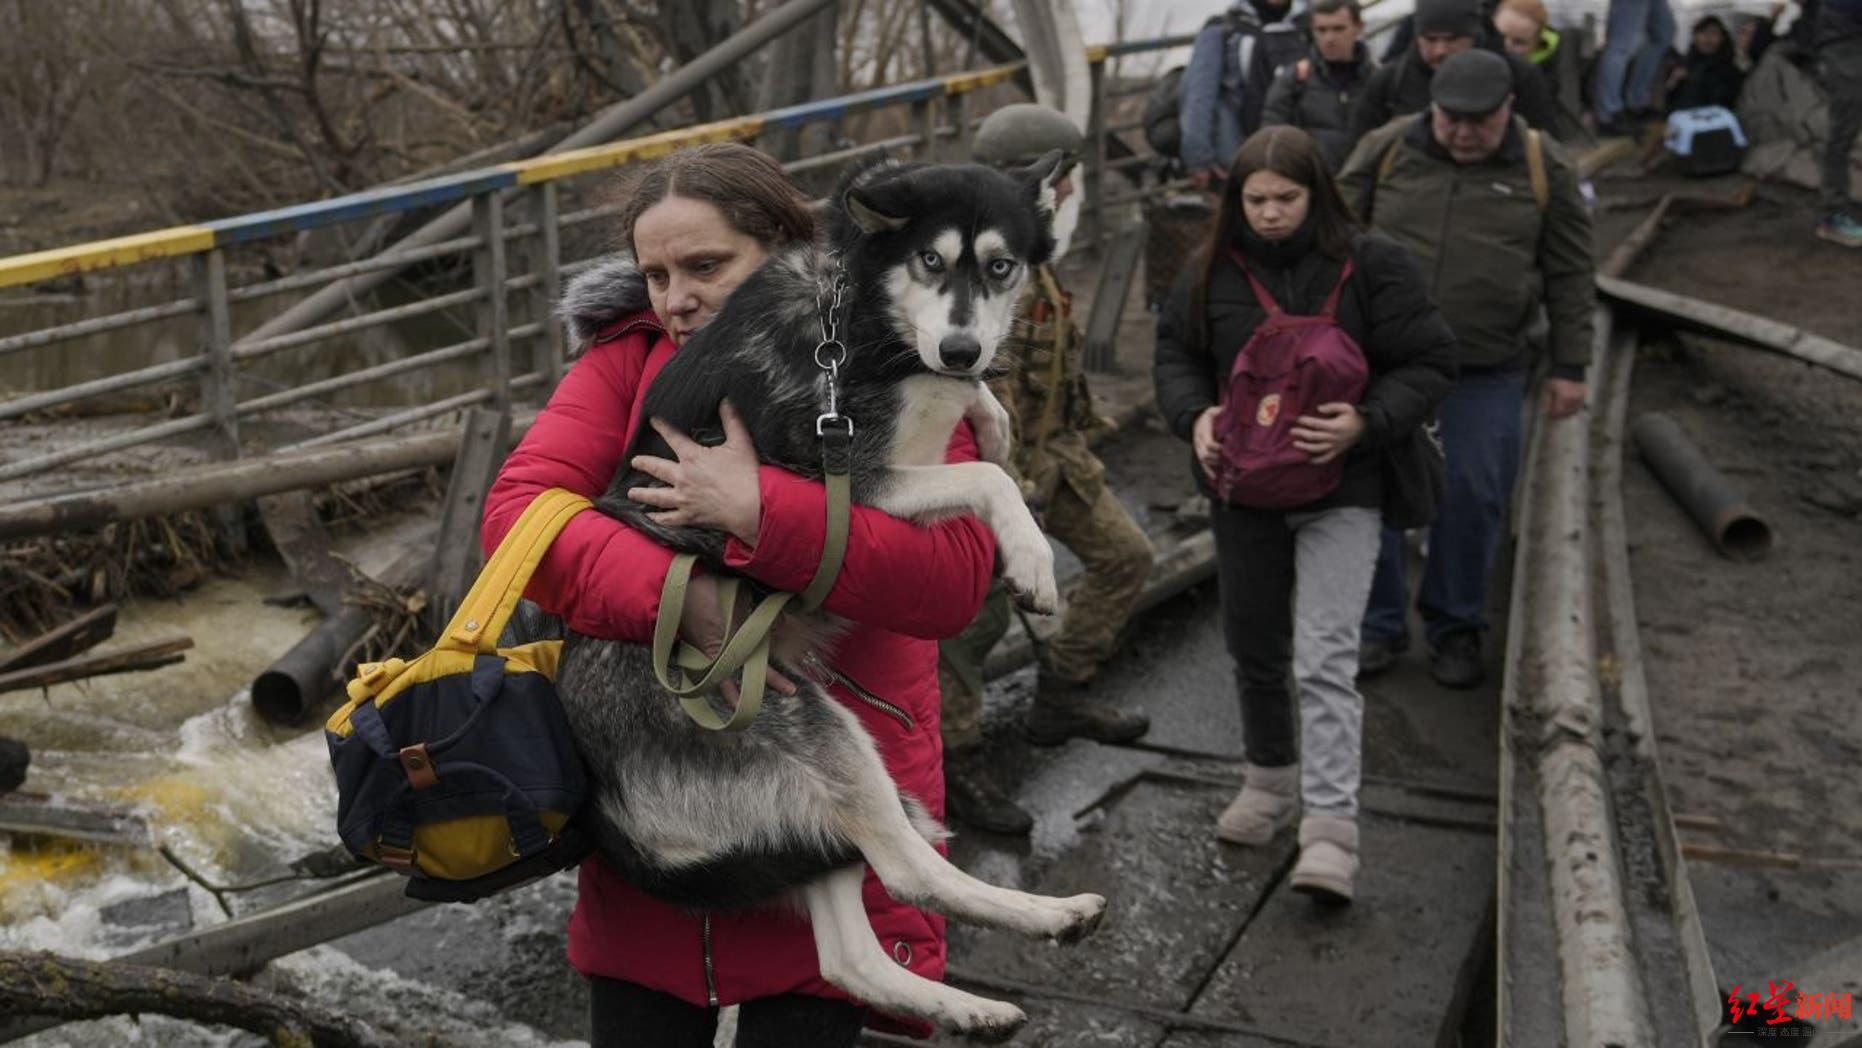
(1841, 65)
(1294, 586)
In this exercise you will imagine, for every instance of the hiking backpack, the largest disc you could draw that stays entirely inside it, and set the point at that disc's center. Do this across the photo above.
(1163, 127)
(1290, 366)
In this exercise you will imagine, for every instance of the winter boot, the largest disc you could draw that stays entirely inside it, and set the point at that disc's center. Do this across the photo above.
(1457, 661)
(1328, 858)
(1061, 712)
(1268, 801)
(972, 795)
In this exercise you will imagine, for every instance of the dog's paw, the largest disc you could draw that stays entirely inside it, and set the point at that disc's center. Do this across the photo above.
(984, 1020)
(1028, 572)
(1083, 914)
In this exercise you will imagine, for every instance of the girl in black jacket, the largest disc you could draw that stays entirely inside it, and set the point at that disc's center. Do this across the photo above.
(1294, 581)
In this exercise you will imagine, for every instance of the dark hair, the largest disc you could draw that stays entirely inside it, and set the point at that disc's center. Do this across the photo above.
(1332, 7)
(1292, 154)
(750, 189)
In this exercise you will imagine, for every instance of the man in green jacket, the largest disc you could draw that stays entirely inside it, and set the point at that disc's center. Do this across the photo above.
(1491, 210)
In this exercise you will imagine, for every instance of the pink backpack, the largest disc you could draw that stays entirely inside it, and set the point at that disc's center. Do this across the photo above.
(1292, 365)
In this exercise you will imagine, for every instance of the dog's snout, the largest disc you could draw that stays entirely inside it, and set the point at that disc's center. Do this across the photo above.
(959, 351)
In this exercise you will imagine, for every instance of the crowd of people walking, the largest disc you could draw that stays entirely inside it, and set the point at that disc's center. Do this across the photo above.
(1398, 252)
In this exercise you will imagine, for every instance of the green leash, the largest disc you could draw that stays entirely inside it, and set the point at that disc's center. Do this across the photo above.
(687, 671)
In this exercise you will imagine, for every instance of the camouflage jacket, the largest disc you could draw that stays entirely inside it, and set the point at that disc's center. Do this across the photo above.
(1044, 390)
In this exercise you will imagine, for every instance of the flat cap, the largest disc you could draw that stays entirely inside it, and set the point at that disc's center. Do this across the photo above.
(1472, 83)
(1455, 17)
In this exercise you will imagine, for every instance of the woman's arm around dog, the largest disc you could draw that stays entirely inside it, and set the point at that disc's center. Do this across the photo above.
(604, 578)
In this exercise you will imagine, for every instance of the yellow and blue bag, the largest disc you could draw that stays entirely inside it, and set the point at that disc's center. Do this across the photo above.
(457, 768)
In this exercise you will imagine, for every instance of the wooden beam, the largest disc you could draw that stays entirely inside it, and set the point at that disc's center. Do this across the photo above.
(1114, 288)
(43, 815)
(483, 443)
(243, 945)
(1717, 321)
(73, 638)
(122, 660)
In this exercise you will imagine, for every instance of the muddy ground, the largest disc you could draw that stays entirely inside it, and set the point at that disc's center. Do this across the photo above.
(1755, 669)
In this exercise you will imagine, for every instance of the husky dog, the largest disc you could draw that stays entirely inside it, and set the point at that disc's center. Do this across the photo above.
(933, 258)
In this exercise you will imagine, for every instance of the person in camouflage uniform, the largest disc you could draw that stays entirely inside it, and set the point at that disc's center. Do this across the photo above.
(1052, 414)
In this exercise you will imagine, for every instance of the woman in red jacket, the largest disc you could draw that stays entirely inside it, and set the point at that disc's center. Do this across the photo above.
(699, 223)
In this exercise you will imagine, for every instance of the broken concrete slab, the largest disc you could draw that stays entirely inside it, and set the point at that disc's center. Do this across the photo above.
(1176, 898)
(1381, 971)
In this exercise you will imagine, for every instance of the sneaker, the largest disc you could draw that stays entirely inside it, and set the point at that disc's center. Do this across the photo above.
(1061, 712)
(1457, 660)
(1377, 655)
(1328, 862)
(1267, 803)
(1841, 227)
(972, 796)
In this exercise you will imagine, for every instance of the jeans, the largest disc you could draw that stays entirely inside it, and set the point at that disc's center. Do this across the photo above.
(626, 1015)
(1841, 66)
(1480, 429)
(1639, 33)
(1293, 587)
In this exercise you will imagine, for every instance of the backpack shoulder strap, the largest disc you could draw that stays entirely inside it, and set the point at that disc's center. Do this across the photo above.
(1535, 169)
(1261, 293)
(1338, 290)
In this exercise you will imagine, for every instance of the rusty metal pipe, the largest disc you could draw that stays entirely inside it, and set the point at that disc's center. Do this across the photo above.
(310, 672)
(1708, 496)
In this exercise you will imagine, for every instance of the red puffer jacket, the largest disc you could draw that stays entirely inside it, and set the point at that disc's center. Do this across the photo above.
(901, 584)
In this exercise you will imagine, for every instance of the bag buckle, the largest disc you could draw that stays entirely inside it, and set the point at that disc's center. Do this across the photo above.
(418, 765)
(400, 860)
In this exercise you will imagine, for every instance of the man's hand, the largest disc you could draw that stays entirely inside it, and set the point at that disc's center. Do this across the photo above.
(1202, 437)
(1330, 433)
(706, 487)
(1563, 397)
(702, 626)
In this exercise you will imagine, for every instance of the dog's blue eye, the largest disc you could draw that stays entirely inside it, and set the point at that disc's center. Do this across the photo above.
(1001, 268)
(932, 260)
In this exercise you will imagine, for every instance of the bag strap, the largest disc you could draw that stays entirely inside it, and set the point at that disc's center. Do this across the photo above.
(1535, 169)
(1261, 293)
(1063, 344)
(500, 585)
(747, 647)
(1330, 309)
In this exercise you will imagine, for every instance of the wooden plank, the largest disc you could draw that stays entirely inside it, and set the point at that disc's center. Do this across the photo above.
(1693, 314)
(1178, 898)
(55, 645)
(456, 557)
(243, 945)
(122, 660)
(1109, 298)
(1393, 961)
(43, 815)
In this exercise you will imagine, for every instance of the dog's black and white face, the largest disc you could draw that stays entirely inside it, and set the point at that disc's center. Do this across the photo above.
(953, 246)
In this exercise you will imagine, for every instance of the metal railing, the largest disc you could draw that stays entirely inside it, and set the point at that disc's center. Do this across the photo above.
(938, 115)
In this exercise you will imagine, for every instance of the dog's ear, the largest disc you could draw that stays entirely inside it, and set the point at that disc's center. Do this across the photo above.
(1042, 178)
(875, 212)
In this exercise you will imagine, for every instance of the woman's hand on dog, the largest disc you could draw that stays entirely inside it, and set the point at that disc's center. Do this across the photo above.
(702, 626)
(706, 487)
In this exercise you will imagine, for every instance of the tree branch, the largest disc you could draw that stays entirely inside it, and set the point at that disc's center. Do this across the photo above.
(66, 988)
